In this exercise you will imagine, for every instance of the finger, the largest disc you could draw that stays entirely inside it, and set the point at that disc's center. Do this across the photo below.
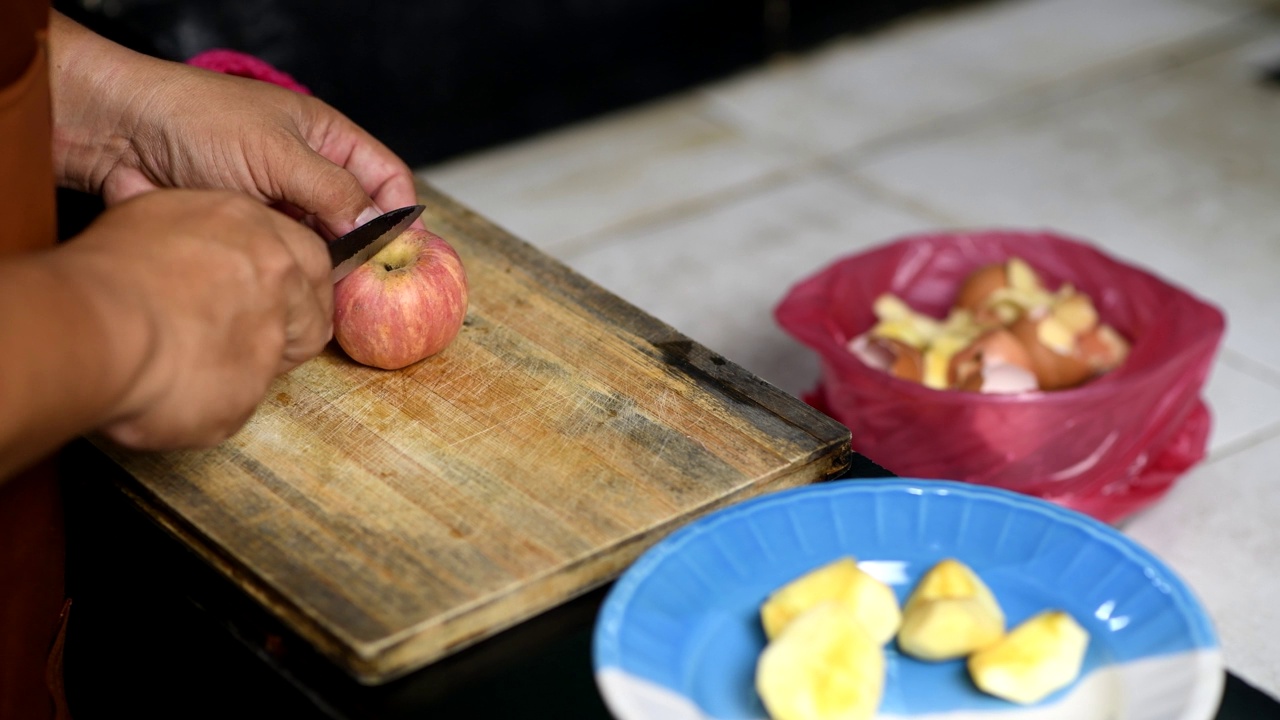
(383, 175)
(307, 325)
(124, 184)
(380, 171)
(312, 258)
(318, 187)
(309, 251)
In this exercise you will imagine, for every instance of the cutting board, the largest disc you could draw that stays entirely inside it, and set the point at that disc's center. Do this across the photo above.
(393, 517)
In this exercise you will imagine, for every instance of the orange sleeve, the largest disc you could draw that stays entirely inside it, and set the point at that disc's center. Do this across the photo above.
(31, 537)
(23, 19)
(26, 123)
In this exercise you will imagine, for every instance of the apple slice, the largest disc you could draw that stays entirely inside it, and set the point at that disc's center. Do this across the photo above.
(866, 599)
(949, 614)
(1041, 655)
(823, 666)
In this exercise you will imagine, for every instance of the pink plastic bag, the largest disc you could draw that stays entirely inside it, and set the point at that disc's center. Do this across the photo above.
(231, 62)
(1107, 448)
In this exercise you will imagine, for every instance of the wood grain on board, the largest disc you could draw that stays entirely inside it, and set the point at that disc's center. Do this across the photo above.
(391, 518)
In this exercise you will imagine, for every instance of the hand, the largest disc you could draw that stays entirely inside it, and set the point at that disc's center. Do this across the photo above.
(125, 123)
(214, 295)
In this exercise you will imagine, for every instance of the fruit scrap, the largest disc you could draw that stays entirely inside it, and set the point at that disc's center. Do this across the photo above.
(1000, 293)
(911, 345)
(1043, 654)
(996, 362)
(1006, 332)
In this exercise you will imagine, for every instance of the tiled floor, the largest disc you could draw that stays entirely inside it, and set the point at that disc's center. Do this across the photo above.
(1141, 125)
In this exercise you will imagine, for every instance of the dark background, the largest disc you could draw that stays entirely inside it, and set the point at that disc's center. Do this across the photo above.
(437, 78)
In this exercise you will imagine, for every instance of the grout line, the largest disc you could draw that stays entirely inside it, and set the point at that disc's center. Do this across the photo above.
(1261, 372)
(683, 210)
(1258, 437)
(1256, 369)
(902, 201)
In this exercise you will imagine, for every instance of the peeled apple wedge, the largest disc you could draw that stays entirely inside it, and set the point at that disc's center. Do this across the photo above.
(1041, 655)
(950, 614)
(823, 666)
(866, 600)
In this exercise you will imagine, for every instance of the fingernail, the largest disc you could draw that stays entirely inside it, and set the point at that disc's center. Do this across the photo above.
(367, 215)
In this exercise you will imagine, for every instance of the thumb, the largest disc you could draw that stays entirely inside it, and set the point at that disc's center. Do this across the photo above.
(124, 183)
(326, 192)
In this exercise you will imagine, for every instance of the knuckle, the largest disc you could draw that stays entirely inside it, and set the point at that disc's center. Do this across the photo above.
(277, 266)
(232, 206)
(133, 435)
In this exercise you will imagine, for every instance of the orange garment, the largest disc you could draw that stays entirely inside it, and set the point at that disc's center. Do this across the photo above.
(32, 541)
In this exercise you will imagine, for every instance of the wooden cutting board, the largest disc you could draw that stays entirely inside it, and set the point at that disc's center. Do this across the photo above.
(391, 518)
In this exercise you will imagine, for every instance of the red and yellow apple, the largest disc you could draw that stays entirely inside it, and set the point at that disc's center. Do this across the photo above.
(405, 304)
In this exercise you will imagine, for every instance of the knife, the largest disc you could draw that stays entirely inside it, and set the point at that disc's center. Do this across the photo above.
(352, 250)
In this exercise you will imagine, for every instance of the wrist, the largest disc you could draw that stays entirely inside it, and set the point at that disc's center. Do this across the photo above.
(125, 331)
(97, 89)
(81, 353)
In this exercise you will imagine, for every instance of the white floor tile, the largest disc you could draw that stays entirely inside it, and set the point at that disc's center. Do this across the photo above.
(718, 276)
(603, 173)
(1179, 173)
(945, 63)
(1216, 529)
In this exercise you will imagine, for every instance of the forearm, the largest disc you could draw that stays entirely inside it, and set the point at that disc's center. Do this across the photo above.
(71, 353)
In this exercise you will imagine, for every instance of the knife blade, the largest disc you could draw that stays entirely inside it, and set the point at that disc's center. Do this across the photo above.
(353, 249)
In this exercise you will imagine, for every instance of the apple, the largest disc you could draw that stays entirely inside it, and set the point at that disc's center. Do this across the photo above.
(405, 304)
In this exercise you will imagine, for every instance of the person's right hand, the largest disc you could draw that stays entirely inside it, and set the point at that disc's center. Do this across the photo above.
(211, 295)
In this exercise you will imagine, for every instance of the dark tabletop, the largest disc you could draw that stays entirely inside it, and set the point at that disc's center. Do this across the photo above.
(155, 633)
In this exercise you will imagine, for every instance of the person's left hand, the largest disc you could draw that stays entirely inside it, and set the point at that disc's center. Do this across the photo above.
(125, 123)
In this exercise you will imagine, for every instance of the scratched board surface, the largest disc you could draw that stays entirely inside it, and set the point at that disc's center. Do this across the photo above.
(391, 518)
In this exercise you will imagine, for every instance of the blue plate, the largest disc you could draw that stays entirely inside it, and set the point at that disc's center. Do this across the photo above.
(679, 634)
